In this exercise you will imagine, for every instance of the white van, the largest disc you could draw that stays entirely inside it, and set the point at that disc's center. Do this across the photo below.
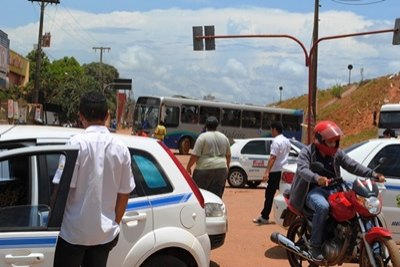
(389, 117)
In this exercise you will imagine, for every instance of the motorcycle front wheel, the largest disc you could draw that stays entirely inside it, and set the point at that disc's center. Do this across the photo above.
(297, 233)
(386, 253)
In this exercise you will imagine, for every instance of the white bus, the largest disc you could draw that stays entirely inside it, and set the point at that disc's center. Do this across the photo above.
(184, 119)
(389, 118)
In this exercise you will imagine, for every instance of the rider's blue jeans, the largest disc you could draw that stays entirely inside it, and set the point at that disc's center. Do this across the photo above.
(317, 201)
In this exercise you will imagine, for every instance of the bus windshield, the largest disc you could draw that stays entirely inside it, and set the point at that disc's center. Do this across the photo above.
(146, 113)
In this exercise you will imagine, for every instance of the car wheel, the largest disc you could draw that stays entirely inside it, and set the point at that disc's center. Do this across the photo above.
(164, 260)
(184, 146)
(237, 178)
(253, 184)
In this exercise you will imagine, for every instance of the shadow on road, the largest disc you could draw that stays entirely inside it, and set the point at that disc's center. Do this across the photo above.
(276, 252)
(213, 264)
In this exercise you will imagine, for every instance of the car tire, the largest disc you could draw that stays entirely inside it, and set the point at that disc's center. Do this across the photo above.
(237, 178)
(253, 184)
(164, 260)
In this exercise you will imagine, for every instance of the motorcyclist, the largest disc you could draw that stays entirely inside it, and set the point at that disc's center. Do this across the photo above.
(324, 149)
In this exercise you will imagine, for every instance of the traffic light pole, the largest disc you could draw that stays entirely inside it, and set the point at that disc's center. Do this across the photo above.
(308, 57)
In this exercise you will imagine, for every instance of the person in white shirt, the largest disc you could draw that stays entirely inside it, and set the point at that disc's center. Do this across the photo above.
(280, 149)
(99, 190)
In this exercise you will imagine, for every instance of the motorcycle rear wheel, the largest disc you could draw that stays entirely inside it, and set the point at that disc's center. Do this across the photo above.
(385, 252)
(295, 233)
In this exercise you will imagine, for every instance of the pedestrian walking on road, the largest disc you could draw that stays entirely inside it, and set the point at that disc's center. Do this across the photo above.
(212, 155)
(280, 149)
(160, 132)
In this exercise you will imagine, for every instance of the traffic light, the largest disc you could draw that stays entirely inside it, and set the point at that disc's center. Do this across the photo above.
(210, 42)
(198, 42)
(396, 33)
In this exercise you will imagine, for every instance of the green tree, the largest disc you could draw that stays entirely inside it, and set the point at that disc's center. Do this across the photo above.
(63, 81)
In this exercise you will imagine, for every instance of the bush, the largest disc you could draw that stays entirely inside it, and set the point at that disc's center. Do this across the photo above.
(336, 91)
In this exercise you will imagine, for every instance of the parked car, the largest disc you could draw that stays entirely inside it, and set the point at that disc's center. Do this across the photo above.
(250, 158)
(166, 220)
(367, 153)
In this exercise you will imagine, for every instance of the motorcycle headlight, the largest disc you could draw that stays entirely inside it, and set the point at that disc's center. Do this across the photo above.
(372, 204)
(214, 209)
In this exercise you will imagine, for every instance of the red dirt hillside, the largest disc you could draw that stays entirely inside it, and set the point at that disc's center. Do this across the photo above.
(354, 110)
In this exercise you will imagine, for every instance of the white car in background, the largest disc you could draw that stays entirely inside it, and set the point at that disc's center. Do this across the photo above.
(168, 219)
(367, 153)
(250, 158)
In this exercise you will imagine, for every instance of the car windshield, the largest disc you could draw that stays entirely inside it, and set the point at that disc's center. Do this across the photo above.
(298, 144)
(354, 146)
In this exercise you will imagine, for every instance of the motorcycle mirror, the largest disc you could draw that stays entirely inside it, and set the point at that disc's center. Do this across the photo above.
(319, 167)
(316, 166)
(380, 162)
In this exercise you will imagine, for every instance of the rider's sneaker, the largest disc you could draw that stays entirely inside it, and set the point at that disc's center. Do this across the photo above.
(316, 253)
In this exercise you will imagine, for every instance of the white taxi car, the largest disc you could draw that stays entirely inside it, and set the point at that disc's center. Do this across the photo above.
(250, 157)
(367, 153)
(165, 219)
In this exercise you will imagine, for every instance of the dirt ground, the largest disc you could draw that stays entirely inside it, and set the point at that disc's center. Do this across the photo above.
(247, 244)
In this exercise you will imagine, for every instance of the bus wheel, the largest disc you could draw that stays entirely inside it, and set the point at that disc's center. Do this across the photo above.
(184, 146)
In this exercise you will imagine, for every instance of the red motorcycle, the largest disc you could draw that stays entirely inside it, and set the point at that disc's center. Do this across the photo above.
(353, 232)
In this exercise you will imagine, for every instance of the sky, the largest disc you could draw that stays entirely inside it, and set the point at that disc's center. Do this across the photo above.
(151, 43)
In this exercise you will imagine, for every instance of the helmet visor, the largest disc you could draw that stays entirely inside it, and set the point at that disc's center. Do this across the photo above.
(332, 132)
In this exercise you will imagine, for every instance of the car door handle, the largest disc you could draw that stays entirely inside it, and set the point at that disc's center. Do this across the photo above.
(32, 258)
(132, 220)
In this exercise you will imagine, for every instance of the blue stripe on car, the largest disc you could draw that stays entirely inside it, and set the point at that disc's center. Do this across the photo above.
(159, 202)
(392, 187)
(24, 242)
(31, 242)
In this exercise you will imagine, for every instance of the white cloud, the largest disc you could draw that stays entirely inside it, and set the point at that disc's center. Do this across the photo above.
(155, 49)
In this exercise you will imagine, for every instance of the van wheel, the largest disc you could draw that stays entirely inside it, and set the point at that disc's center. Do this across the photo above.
(165, 261)
(237, 178)
(184, 146)
(253, 184)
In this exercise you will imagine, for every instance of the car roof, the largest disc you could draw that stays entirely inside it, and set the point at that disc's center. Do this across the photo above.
(47, 133)
(240, 142)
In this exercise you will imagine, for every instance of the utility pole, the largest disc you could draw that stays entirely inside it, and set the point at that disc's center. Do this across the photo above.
(314, 59)
(101, 63)
(42, 3)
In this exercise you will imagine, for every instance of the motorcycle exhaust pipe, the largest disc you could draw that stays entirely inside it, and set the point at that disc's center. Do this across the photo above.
(285, 242)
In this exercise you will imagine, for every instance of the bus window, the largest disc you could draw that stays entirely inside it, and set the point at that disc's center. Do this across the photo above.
(189, 114)
(268, 118)
(206, 112)
(230, 117)
(171, 117)
(291, 122)
(251, 119)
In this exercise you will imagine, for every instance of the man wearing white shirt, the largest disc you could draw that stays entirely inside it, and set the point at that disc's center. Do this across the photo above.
(280, 149)
(99, 190)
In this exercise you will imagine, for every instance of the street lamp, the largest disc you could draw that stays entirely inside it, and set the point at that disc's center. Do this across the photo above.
(280, 94)
(350, 67)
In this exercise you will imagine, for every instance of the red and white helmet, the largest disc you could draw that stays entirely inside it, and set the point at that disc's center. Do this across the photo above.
(327, 131)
